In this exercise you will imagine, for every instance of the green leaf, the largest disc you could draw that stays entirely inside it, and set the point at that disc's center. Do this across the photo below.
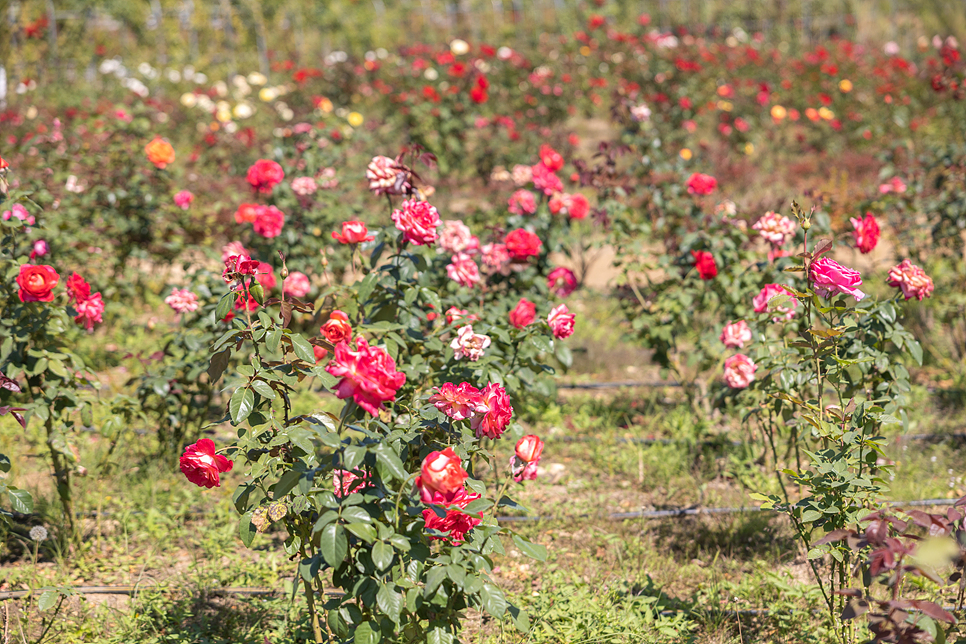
(47, 599)
(365, 287)
(264, 389)
(367, 633)
(285, 484)
(333, 544)
(494, 602)
(309, 568)
(530, 549)
(362, 530)
(225, 305)
(219, 362)
(356, 514)
(389, 602)
(20, 500)
(810, 516)
(241, 404)
(303, 349)
(520, 618)
(542, 343)
(434, 578)
(390, 460)
(245, 529)
(916, 350)
(382, 554)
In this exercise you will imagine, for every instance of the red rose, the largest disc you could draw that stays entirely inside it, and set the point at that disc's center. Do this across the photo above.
(478, 95)
(456, 523)
(866, 232)
(264, 175)
(37, 283)
(201, 465)
(368, 375)
(704, 262)
(353, 232)
(529, 448)
(78, 289)
(701, 184)
(337, 328)
(524, 313)
(521, 244)
(551, 158)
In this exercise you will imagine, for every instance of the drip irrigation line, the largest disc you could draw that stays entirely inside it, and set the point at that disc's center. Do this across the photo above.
(622, 383)
(928, 438)
(251, 591)
(688, 512)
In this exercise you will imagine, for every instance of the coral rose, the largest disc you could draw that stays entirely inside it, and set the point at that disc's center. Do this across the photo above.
(353, 232)
(269, 222)
(264, 175)
(37, 283)
(523, 314)
(866, 232)
(524, 462)
(521, 244)
(739, 371)
(441, 473)
(552, 159)
(337, 328)
(159, 152)
(829, 277)
(247, 213)
(368, 375)
(418, 221)
(911, 279)
(201, 465)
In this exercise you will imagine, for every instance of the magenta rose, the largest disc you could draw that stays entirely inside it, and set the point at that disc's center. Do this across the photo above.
(496, 419)
(368, 375)
(561, 322)
(418, 221)
(829, 278)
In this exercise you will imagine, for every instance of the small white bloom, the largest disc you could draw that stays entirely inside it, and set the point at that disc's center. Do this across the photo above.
(38, 533)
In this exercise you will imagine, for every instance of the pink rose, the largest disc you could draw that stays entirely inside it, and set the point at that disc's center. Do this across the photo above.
(264, 175)
(201, 465)
(183, 199)
(304, 186)
(463, 270)
(456, 238)
(418, 221)
(368, 375)
(89, 311)
(182, 300)
(459, 402)
(345, 483)
(496, 259)
(496, 419)
(266, 276)
(522, 174)
(469, 345)
(234, 249)
(829, 277)
(739, 371)
(895, 184)
(770, 291)
(775, 228)
(269, 221)
(561, 322)
(736, 334)
(40, 249)
(353, 232)
(526, 458)
(911, 279)
(866, 233)
(386, 176)
(297, 284)
(562, 281)
(544, 179)
(522, 202)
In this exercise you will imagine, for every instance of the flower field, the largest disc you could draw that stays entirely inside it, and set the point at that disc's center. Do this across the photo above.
(628, 332)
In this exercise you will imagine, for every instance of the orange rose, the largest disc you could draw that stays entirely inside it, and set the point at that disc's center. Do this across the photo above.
(247, 213)
(37, 283)
(337, 328)
(159, 152)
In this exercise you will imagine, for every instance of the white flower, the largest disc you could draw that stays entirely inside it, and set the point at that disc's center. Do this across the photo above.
(38, 533)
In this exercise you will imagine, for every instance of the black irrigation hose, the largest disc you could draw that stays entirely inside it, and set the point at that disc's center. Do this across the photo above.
(928, 438)
(687, 512)
(621, 383)
(133, 590)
